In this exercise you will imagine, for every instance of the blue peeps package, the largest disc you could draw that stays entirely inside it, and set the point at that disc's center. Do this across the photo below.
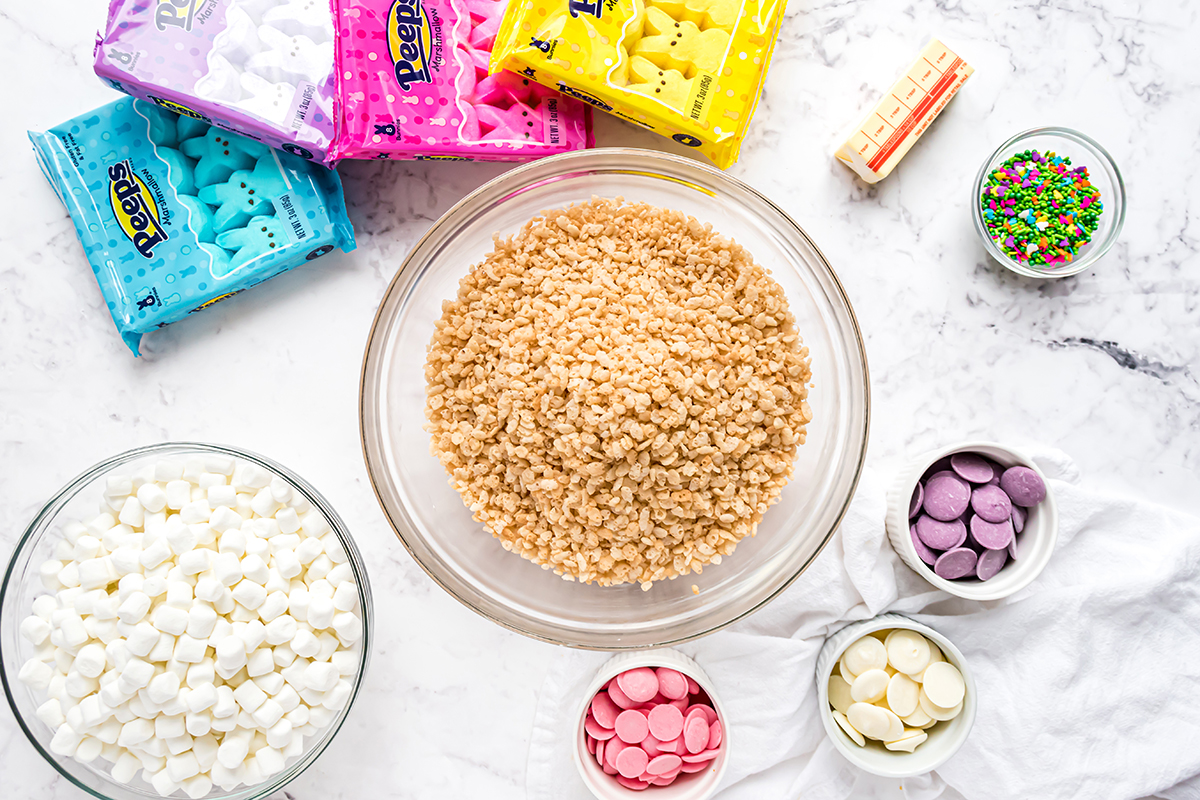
(175, 215)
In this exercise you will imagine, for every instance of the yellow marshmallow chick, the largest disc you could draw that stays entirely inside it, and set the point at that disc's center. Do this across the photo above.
(705, 13)
(680, 46)
(667, 85)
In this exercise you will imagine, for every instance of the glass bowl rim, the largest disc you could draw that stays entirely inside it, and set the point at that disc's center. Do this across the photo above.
(517, 178)
(1092, 256)
(50, 510)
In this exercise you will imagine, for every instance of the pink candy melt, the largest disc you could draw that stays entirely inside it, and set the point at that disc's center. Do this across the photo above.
(640, 685)
(632, 726)
(666, 722)
(647, 727)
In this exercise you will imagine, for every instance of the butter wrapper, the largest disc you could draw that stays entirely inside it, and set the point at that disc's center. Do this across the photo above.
(914, 101)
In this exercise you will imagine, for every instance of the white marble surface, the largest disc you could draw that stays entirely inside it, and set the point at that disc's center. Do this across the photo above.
(1105, 365)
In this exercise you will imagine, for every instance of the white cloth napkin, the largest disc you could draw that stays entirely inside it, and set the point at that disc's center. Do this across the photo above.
(1088, 679)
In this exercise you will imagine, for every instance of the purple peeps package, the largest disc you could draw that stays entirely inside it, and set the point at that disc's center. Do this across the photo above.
(261, 68)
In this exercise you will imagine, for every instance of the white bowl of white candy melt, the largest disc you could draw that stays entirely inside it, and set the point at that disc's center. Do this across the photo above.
(942, 738)
(185, 620)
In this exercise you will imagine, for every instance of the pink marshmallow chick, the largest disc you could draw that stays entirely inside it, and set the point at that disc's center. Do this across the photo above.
(501, 90)
(483, 35)
(518, 123)
(470, 128)
(467, 77)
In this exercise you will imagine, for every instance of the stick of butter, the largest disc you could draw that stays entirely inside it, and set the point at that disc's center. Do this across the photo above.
(898, 120)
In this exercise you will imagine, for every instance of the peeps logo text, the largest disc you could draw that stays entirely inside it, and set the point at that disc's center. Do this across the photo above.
(174, 14)
(571, 91)
(410, 40)
(135, 209)
(177, 108)
(595, 8)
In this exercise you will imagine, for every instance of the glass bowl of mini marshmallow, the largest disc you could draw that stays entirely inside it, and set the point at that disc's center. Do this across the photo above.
(184, 620)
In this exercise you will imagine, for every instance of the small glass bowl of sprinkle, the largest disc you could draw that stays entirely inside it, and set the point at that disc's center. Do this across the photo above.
(1048, 203)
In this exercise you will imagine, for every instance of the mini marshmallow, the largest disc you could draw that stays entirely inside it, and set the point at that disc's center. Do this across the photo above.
(286, 562)
(155, 584)
(288, 519)
(180, 537)
(36, 674)
(231, 653)
(268, 713)
(249, 696)
(227, 568)
(255, 569)
(225, 519)
(91, 660)
(226, 705)
(135, 732)
(275, 604)
(209, 588)
(168, 727)
(132, 513)
(85, 547)
(163, 687)
(151, 497)
(179, 594)
(163, 648)
(308, 550)
(198, 676)
(232, 540)
(189, 650)
(320, 612)
(260, 662)
(320, 676)
(202, 619)
(251, 595)
(74, 634)
(315, 524)
(305, 644)
(193, 562)
(222, 495)
(197, 786)
(97, 572)
(271, 682)
(178, 494)
(155, 553)
(169, 619)
(264, 503)
(253, 633)
(196, 511)
(35, 629)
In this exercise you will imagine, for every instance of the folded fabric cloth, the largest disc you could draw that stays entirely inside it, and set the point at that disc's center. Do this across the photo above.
(1087, 680)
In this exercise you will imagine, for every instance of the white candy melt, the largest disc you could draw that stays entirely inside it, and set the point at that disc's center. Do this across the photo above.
(892, 702)
(197, 573)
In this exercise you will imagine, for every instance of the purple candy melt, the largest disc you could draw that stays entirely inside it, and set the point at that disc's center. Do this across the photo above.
(1023, 486)
(941, 535)
(1012, 549)
(993, 536)
(972, 467)
(941, 465)
(914, 505)
(956, 563)
(946, 497)
(990, 563)
(1018, 519)
(991, 503)
(925, 554)
(997, 471)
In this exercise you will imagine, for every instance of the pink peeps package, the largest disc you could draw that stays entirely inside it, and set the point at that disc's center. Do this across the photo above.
(413, 83)
(261, 68)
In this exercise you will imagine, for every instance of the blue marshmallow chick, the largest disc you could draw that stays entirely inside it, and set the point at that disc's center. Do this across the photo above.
(262, 236)
(219, 154)
(246, 194)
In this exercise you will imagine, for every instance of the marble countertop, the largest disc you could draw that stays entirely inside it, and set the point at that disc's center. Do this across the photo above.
(1105, 366)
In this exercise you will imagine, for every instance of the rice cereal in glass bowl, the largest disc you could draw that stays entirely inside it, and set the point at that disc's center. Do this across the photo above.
(430, 517)
(78, 501)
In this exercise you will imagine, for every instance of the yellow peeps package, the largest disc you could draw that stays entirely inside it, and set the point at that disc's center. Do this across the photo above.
(688, 69)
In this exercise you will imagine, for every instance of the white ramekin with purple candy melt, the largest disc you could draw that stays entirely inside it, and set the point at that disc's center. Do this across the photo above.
(1034, 545)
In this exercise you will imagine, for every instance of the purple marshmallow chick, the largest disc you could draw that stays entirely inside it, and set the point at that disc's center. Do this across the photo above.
(941, 535)
(993, 536)
(925, 554)
(946, 497)
(914, 505)
(1023, 486)
(991, 502)
(990, 563)
(957, 563)
(972, 467)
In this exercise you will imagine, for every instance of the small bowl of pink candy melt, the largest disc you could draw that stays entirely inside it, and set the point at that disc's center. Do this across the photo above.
(650, 721)
(976, 519)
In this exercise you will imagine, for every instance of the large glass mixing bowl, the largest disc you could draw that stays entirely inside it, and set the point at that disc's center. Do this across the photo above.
(461, 556)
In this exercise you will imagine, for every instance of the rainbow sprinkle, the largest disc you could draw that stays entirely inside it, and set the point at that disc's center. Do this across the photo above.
(1038, 209)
